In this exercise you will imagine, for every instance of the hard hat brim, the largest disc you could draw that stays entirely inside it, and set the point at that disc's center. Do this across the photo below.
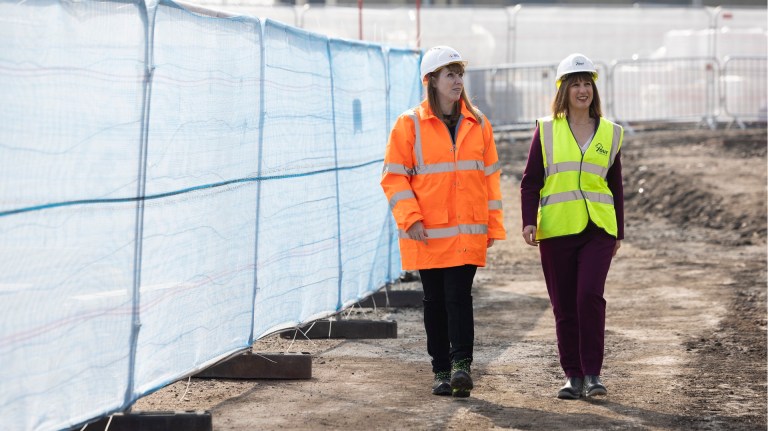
(560, 79)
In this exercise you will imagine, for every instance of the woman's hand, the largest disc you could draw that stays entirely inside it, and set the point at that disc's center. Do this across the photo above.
(490, 242)
(417, 232)
(616, 247)
(529, 235)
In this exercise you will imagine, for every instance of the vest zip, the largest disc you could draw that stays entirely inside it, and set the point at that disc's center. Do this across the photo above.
(581, 171)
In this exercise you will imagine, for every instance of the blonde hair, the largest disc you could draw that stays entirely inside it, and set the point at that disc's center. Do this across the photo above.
(560, 103)
(432, 95)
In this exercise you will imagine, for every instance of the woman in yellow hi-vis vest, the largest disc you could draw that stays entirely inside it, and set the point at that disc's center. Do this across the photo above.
(442, 179)
(572, 203)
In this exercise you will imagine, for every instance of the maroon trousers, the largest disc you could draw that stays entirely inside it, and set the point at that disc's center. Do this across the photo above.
(575, 268)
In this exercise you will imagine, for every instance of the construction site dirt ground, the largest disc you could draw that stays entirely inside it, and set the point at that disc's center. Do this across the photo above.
(685, 329)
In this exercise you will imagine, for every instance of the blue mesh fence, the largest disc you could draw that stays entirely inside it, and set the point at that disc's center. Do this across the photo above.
(174, 186)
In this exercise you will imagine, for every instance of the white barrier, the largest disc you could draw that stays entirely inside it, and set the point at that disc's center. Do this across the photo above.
(174, 186)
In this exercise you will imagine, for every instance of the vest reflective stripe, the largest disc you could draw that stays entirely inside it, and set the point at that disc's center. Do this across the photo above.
(615, 144)
(574, 166)
(494, 205)
(548, 144)
(557, 198)
(599, 197)
(554, 168)
(561, 167)
(575, 182)
(575, 196)
(447, 232)
(397, 197)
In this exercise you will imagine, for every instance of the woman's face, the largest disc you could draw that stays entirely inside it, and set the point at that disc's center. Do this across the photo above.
(449, 85)
(580, 94)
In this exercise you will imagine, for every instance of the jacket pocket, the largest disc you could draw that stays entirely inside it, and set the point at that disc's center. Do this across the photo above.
(480, 212)
(436, 216)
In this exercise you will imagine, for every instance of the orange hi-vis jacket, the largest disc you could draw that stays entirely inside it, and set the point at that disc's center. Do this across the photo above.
(454, 190)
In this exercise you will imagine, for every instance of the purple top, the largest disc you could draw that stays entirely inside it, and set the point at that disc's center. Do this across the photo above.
(533, 181)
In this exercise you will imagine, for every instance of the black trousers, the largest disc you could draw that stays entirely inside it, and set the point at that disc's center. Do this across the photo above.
(448, 316)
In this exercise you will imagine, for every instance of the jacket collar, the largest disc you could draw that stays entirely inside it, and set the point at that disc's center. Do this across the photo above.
(427, 111)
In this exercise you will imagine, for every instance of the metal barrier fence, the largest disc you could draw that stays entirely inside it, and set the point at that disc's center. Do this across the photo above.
(743, 88)
(632, 91)
(514, 96)
(664, 90)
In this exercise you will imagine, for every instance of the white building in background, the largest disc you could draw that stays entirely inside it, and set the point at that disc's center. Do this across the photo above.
(681, 63)
(534, 33)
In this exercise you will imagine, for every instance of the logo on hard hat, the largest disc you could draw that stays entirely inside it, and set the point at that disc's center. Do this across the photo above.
(578, 62)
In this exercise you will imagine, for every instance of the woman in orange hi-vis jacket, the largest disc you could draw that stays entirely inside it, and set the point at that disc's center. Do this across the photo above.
(442, 179)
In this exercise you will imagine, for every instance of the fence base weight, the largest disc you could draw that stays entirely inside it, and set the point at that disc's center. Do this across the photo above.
(352, 329)
(155, 421)
(251, 365)
(394, 298)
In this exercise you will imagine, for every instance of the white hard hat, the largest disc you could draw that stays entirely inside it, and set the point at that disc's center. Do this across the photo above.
(437, 57)
(575, 63)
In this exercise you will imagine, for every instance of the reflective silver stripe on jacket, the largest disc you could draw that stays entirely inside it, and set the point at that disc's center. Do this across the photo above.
(396, 168)
(417, 144)
(470, 165)
(435, 168)
(397, 197)
(492, 169)
(494, 205)
(575, 195)
(447, 232)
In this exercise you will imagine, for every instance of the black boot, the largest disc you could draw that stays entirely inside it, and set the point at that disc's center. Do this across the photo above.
(461, 380)
(442, 384)
(593, 386)
(572, 389)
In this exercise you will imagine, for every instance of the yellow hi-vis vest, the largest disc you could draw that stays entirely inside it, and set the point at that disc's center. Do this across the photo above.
(575, 186)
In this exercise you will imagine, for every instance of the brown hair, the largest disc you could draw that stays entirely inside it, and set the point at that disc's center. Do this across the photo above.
(432, 95)
(560, 104)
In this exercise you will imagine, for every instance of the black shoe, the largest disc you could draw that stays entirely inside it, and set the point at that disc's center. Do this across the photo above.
(442, 385)
(593, 386)
(461, 380)
(572, 389)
